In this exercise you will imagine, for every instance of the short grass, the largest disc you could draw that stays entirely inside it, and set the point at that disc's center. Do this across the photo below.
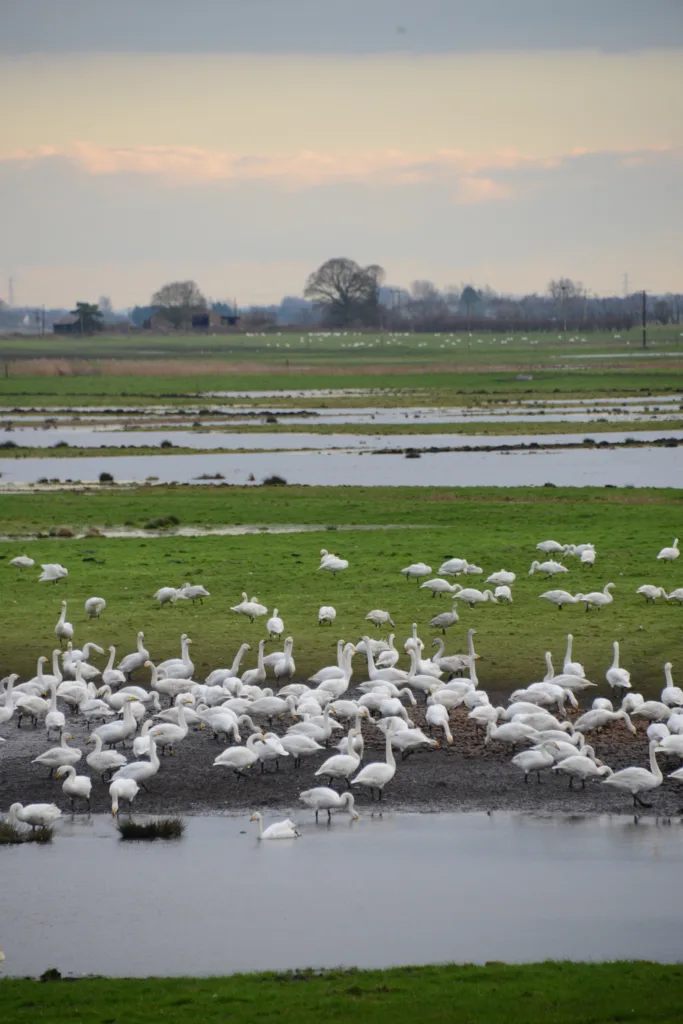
(418, 387)
(549, 993)
(493, 529)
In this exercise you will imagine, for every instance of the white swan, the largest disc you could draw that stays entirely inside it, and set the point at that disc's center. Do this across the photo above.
(550, 568)
(123, 789)
(536, 759)
(64, 630)
(167, 735)
(54, 719)
(549, 547)
(22, 562)
(178, 668)
(35, 815)
(166, 595)
(560, 598)
(52, 573)
(275, 626)
(326, 615)
(379, 618)
(638, 780)
(193, 592)
(618, 678)
(377, 774)
(472, 596)
(572, 668)
(131, 662)
(455, 664)
(104, 761)
(598, 598)
(299, 745)
(580, 766)
(417, 570)
(239, 759)
(55, 757)
(671, 695)
(112, 733)
(322, 798)
(94, 607)
(256, 676)
(76, 787)
(252, 609)
(278, 830)
(453, 567)
(112, 676)
(587, 557)
(598, 718)
(7, 709)
(141, 771)
(439, 586)
(669, 554)
(445, 619)
(285, 667)
(388, 658)
(502, 577)
(651, 593)
(502, 593)
(333, 564)
(341, 766)
(436, 717)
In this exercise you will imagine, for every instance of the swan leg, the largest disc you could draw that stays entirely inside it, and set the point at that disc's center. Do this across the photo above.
(379, 792)
(538, 778)
(526, 778)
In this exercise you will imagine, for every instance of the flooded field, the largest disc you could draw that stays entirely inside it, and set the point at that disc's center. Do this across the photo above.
(83, 437)
(499, 887)
(620, 467)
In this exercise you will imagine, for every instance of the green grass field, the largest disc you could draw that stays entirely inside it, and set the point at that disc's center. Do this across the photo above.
(494, 530)
(549, 993)
(418, 369)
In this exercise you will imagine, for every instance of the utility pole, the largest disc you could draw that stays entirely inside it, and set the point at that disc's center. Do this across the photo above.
(10, 292)
(644, 319)
(563, 289)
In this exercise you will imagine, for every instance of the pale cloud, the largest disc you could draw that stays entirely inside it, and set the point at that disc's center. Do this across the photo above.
(187, 165)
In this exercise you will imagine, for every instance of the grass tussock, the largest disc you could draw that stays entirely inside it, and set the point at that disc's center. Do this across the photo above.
(10, 835)
(162, 828)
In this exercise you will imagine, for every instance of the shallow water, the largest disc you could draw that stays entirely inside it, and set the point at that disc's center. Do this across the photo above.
(621, 467)
(38, 437)
(387, 890)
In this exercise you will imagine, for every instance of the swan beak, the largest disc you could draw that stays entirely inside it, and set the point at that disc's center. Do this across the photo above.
(201, 725)
(451, 741)
(437, 744)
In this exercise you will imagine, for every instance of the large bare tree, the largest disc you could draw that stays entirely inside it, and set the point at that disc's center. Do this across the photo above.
(177, 300)
(346, 292)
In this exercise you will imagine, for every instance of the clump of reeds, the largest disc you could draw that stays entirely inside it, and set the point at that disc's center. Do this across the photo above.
(162, 828)
(11, 835)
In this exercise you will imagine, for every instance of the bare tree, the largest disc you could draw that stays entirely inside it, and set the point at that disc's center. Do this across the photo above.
(177, 300)
(345, 292)
(426, 301)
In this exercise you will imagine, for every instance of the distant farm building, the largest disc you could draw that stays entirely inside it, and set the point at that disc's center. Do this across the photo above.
(67, 325)
(197, 320)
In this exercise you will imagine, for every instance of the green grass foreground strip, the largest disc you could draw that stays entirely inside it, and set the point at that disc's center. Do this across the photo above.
(548, 993)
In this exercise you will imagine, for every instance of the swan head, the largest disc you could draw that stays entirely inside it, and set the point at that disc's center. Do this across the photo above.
(257, 816)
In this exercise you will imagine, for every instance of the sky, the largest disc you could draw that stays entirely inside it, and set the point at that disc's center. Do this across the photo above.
(243, 142)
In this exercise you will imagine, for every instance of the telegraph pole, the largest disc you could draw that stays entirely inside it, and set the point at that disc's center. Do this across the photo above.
(644, 311)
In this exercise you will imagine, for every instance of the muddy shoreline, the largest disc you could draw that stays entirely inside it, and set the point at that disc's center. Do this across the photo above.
(462, 777)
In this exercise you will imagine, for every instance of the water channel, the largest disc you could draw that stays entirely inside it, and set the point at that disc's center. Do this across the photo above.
(387, 890)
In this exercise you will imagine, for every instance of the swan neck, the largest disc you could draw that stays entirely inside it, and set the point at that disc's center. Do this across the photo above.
(110, 663)
(389, 751)
(654, 765)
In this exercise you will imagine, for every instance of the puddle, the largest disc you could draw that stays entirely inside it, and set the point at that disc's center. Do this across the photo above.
(503, 887)
(620, 467)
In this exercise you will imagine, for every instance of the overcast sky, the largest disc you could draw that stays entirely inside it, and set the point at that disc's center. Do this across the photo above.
(242, 143)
